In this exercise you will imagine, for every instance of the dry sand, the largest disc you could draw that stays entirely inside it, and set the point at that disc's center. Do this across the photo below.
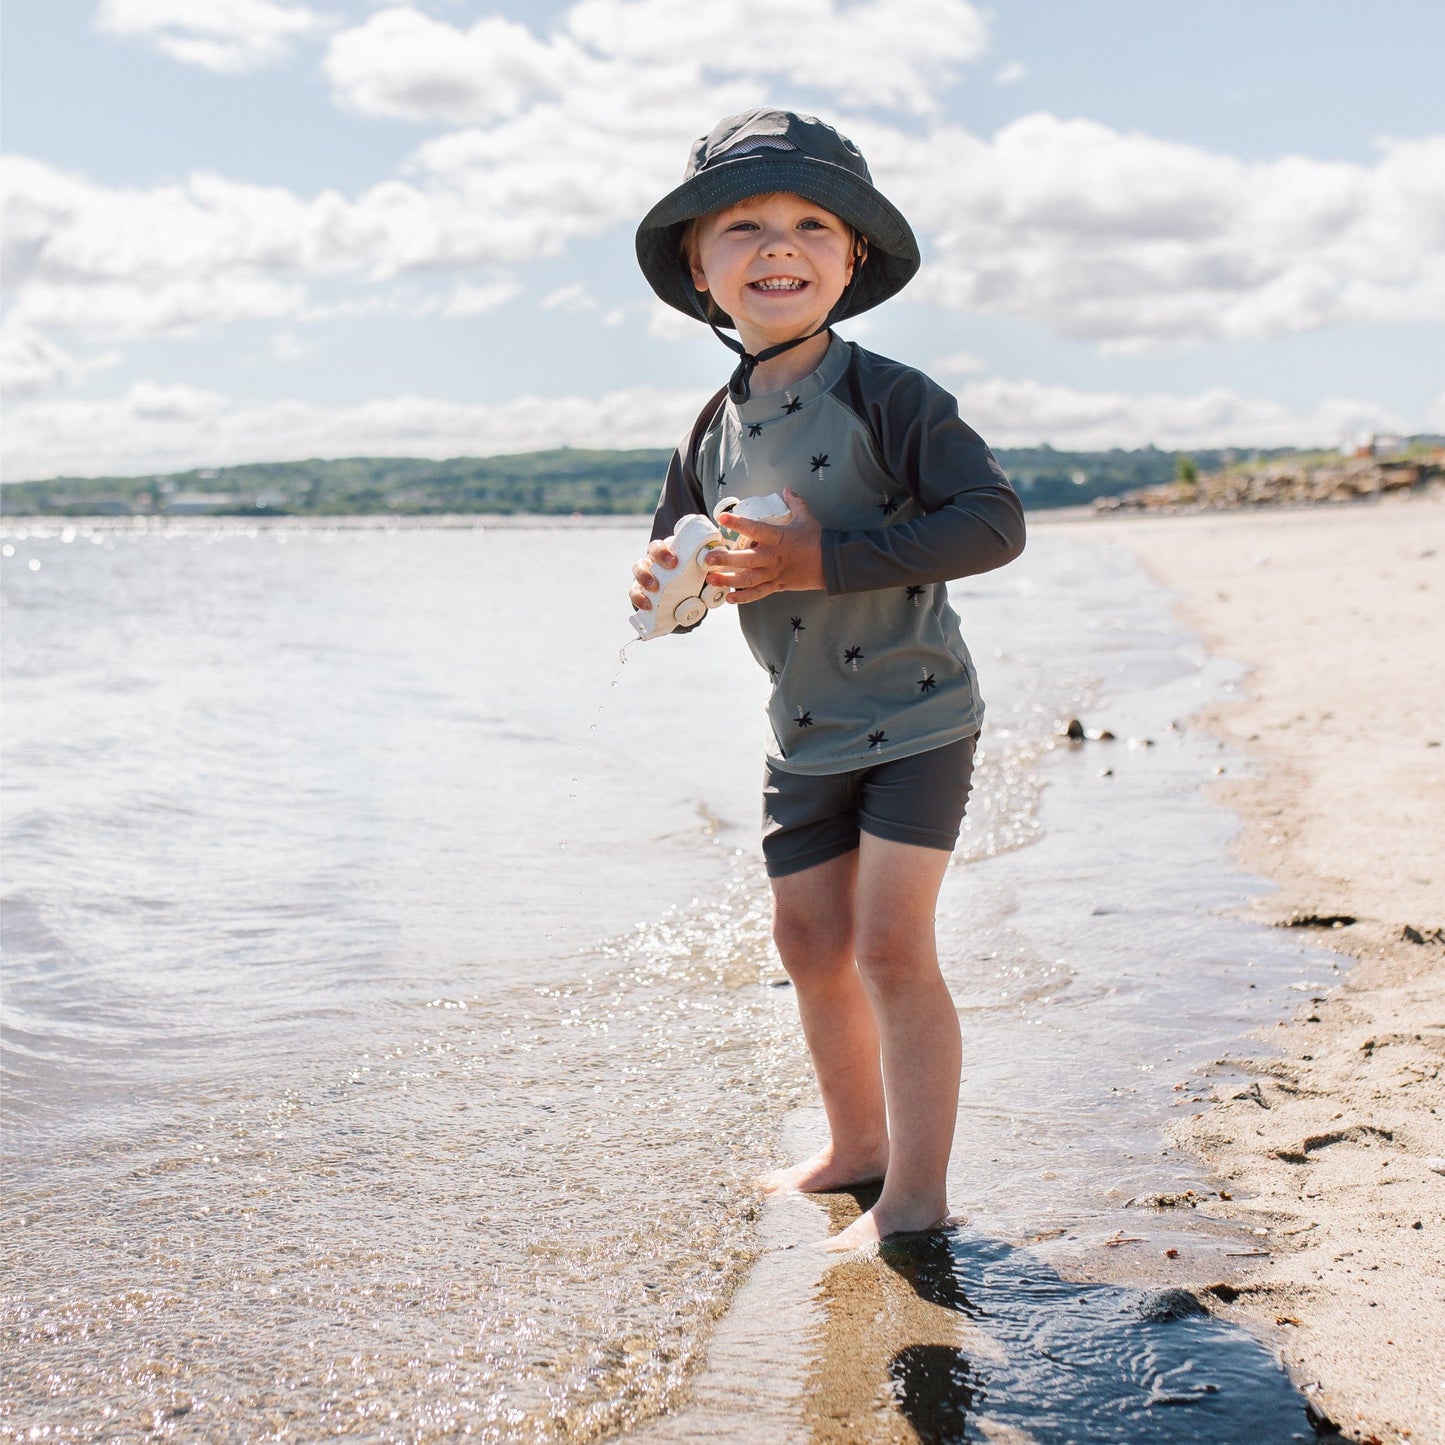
(1339, 612)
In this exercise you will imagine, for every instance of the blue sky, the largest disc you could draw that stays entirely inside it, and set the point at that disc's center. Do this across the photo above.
(256, 229)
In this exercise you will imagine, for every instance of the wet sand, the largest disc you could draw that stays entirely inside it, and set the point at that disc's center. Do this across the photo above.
(1335, 1144)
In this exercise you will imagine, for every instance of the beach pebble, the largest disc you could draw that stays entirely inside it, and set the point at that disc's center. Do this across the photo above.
(1171, 1304)
(1437, 1164)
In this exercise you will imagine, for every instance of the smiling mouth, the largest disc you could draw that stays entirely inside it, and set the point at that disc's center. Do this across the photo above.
(778, 283)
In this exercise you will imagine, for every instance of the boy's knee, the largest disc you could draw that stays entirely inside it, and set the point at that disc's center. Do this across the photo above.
(808, 940)
(890, 958)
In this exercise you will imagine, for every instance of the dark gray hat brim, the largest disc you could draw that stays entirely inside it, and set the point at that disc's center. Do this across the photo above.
(892, 257)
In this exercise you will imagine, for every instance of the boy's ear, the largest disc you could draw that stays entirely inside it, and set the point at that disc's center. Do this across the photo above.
(859, 256)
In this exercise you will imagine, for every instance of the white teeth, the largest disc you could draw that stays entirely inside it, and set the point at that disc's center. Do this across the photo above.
(787, 283)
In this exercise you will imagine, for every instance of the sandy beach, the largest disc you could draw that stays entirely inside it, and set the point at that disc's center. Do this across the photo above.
(1335, 1146)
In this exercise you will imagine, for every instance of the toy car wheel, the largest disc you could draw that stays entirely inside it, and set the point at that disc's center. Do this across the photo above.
(689, 611)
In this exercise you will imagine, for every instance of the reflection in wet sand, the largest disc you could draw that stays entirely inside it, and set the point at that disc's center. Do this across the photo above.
(949, 1336)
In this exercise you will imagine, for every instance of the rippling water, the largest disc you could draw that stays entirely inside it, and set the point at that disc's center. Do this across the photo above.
(391, 1029)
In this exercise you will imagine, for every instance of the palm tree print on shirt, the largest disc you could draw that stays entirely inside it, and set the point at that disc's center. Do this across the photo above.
(876, 740)
(774, 674)
(928, 683)
(793, 403)
(797, 625)
(853, 655)
(888, 506)
(755, 428)
(803, 719)
(915, 595)
(821, 461)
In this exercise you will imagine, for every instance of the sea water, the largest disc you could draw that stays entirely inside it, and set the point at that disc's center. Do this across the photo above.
(391, 1028)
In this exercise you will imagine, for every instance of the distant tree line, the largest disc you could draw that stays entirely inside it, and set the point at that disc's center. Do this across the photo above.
(548, 483)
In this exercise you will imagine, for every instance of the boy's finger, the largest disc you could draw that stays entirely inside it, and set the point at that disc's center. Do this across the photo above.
(759, 531)
(750, 594)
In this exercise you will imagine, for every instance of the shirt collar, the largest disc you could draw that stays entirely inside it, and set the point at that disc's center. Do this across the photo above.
(794, 398)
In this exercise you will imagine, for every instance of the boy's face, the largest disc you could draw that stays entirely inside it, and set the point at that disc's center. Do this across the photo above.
(777, 264)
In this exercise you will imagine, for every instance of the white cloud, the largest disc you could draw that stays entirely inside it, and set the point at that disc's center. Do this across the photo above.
(1011, 73)
(405, 65)
(157, 427)
(572, 297)
(226, 36)
(125, 262)
(468, 300)
(1023, 412)
(1122, 240)
(665, 324)
(899, 56)
(183, 306)
(1134, 242)
(30, 362)
(287, 346)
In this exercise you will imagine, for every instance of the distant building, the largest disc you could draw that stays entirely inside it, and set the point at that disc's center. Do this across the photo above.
(1373, 444)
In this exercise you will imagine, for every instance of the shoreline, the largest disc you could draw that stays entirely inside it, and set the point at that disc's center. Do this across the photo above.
(1337, 615)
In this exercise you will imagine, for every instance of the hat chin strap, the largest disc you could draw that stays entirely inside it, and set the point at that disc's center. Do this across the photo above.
(740, 383)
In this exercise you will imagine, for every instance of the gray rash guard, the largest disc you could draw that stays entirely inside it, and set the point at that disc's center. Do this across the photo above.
(875, 667)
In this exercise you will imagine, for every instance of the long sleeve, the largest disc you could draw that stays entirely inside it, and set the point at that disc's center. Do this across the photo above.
(681, 489)
(973, 521)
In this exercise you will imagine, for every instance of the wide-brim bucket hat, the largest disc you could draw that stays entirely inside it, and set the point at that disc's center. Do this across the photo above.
(755, 154)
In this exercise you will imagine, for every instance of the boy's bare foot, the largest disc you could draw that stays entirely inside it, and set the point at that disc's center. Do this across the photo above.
(870, 1228)
(824, 1172)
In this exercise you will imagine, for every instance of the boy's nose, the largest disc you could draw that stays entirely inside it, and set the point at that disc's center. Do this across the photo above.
(778, 243)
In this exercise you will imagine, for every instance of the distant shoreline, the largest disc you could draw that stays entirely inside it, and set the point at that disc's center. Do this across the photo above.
(567, 481)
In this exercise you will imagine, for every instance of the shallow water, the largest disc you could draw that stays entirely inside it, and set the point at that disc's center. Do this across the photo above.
(391, 1028)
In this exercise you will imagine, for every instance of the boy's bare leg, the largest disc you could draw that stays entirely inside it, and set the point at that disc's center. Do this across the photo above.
(897, 955)
(813, 926)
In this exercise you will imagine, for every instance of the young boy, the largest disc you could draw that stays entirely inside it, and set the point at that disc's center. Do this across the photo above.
(777, 231)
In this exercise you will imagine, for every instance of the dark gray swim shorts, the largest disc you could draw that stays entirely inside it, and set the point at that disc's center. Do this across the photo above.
(811, 818)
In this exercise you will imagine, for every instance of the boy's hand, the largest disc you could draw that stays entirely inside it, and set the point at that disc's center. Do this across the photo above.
(660, 552)
(776, 559)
